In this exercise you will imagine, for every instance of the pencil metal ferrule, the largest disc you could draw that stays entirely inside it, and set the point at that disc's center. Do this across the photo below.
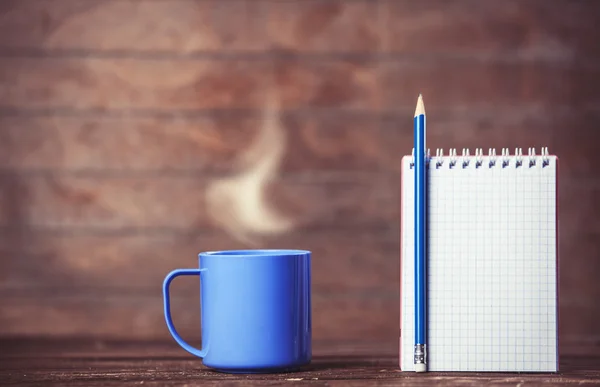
(420, 354)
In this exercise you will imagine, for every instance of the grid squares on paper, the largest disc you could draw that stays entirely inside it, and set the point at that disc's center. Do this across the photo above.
(492, 279)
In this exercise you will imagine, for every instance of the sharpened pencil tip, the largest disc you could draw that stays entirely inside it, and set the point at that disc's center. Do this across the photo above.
(420, 106)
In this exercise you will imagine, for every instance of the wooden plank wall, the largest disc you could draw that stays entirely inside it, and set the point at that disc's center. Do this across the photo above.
(116, 116)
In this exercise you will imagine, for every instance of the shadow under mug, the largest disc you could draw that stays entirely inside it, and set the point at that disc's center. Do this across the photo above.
(255, 310)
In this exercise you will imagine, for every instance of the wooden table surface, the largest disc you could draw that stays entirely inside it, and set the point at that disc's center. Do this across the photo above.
(93, 362)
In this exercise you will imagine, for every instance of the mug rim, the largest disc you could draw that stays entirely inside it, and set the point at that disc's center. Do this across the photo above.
(254, 252)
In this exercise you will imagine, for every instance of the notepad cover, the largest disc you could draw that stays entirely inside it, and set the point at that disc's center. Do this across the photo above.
(492, 264)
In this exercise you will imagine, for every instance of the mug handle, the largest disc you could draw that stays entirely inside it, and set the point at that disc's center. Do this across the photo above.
(167, 303)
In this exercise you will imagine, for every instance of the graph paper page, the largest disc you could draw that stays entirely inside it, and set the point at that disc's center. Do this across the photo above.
(492, 275)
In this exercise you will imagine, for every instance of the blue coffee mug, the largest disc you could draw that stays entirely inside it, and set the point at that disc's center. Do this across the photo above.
(255, 310)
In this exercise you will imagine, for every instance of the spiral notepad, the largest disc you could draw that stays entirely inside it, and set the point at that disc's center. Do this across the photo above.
(491, 262)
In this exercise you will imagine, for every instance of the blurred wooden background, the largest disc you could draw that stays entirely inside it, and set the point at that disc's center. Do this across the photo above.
(116, 115)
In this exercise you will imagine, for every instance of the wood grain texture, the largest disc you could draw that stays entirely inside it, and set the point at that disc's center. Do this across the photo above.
(123, 201)
(103, 84)
(103, 362)
(437, 27)
(534, 29)
(137, 261)
(576, 140)
(210, 144)
(473, 85)
(164, 25)
(116, 115)
(189, 84)
(205, 144)
(579, 248)
(325, 26)
(138, 317)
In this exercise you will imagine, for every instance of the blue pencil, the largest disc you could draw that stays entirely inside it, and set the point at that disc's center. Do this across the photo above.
(420, 359)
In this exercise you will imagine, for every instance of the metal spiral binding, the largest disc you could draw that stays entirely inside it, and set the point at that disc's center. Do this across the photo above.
(412, 158)
(479, 159)
(452, 158)
(531, 154)
(492, 157)
(465, 158)
(545, 158)
(439, 153)
(519, 157)
(505, 157)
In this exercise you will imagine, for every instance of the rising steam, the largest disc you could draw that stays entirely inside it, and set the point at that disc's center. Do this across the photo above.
(238, 203)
